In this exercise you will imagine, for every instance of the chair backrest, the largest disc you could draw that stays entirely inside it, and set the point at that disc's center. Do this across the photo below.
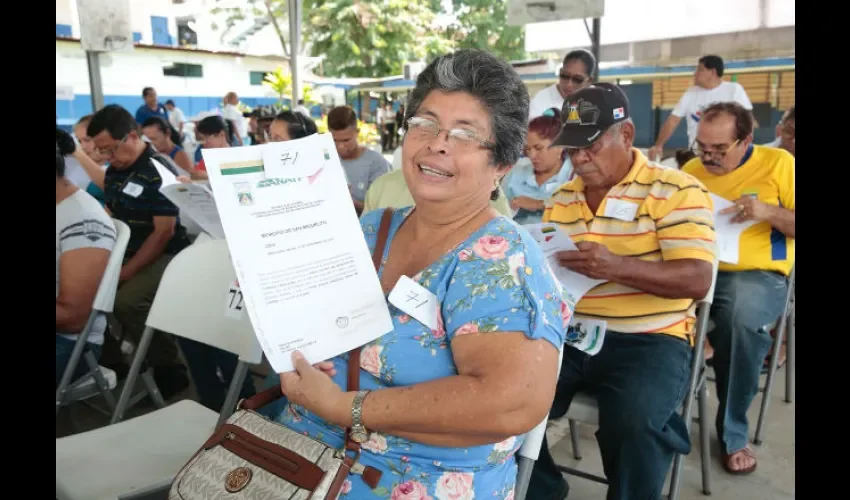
(534, 439)
(191, 301)
(709, 297)
(105, 298)
(203, 237)
(670, 163)
(792, 278)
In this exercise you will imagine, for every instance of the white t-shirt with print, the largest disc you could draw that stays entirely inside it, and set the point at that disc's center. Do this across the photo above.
(547, 98)
(82, 223)
(696, 99)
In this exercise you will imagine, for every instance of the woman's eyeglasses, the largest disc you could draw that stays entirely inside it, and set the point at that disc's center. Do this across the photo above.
(424, 129)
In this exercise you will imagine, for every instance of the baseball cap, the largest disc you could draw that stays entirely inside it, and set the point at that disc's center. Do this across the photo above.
(588, 113)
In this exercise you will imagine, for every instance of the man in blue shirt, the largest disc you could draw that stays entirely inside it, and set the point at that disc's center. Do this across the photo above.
(151, 107)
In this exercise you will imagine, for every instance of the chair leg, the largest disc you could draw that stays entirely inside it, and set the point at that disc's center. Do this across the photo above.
(771, 376)
(675, 477)
(132, 376)
(153, 390)
(705, 445)
(233, 392)
(99, 379)
(790, 356)
(575, 439)
(523, 477)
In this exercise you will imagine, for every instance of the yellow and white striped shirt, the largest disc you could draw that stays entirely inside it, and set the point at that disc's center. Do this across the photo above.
(673, 221)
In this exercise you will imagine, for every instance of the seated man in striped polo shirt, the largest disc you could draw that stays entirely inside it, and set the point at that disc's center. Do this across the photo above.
(648, 231)
(750, 294)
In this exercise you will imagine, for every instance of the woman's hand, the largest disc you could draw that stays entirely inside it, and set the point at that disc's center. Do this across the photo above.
(326, 367)
(311, 386)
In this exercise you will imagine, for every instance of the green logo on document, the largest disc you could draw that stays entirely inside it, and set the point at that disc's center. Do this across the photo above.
(278, 181)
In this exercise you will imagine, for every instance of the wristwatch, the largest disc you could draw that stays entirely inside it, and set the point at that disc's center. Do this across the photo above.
(358, 433)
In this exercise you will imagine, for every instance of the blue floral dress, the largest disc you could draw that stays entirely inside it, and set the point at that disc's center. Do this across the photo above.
(495, 281)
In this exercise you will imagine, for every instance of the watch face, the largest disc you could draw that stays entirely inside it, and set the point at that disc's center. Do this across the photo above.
(359, 436)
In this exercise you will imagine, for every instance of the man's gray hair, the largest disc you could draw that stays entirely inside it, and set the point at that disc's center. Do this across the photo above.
(617, 127)
(494, 82)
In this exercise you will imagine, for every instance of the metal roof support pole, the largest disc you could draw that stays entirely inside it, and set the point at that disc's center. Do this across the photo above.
(95, 83)
(294, 43)
(594, 43)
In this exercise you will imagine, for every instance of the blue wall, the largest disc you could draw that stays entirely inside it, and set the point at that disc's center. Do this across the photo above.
(762, 135)
(640, 108)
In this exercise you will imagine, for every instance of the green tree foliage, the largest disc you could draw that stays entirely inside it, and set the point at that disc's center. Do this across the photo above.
(482, 24)
(372, 38)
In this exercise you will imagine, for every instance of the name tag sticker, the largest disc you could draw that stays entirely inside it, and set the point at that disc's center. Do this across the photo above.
(620, 209)
(133, 189)
(586, 335)
(416, 301)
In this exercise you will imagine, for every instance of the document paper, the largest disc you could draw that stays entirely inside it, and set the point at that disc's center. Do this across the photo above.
(303, 266)
(552, 240)
(728, 232)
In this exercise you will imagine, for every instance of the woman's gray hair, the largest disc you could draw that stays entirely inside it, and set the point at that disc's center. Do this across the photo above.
(494, 82)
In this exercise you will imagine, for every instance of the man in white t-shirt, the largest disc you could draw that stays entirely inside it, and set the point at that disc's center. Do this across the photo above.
(576, 73)
(85, 237)
(708, 88)
(231, 112)
(301, 108)
(175, 116)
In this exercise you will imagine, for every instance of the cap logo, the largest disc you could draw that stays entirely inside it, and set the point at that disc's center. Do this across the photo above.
(572, 116)
(619, 113)
(582, 112)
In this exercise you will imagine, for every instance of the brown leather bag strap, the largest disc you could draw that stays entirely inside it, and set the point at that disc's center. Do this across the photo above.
(354, 354)
(377, 256)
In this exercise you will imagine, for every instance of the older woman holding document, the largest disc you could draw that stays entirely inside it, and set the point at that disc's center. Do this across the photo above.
(448, 396)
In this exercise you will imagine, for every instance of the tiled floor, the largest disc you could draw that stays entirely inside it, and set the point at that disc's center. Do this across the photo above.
(773, 480)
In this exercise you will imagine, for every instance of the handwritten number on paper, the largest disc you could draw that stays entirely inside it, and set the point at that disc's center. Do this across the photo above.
(412, 296)
(287, 157)
(415, 300)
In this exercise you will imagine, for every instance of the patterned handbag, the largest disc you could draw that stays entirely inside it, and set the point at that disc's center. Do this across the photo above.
(251, 457)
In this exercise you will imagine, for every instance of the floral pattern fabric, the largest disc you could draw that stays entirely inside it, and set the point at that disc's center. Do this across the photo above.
(495, 281)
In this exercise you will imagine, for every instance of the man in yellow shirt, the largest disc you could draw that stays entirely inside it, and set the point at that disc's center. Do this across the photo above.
(751, 293)
(390, 191)
(649, 232)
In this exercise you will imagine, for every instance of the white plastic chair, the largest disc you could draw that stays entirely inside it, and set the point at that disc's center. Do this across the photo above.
(583, 407)
(670, 163)
(99, 379)
(203, 237)
(530, 449)
(132, 456)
